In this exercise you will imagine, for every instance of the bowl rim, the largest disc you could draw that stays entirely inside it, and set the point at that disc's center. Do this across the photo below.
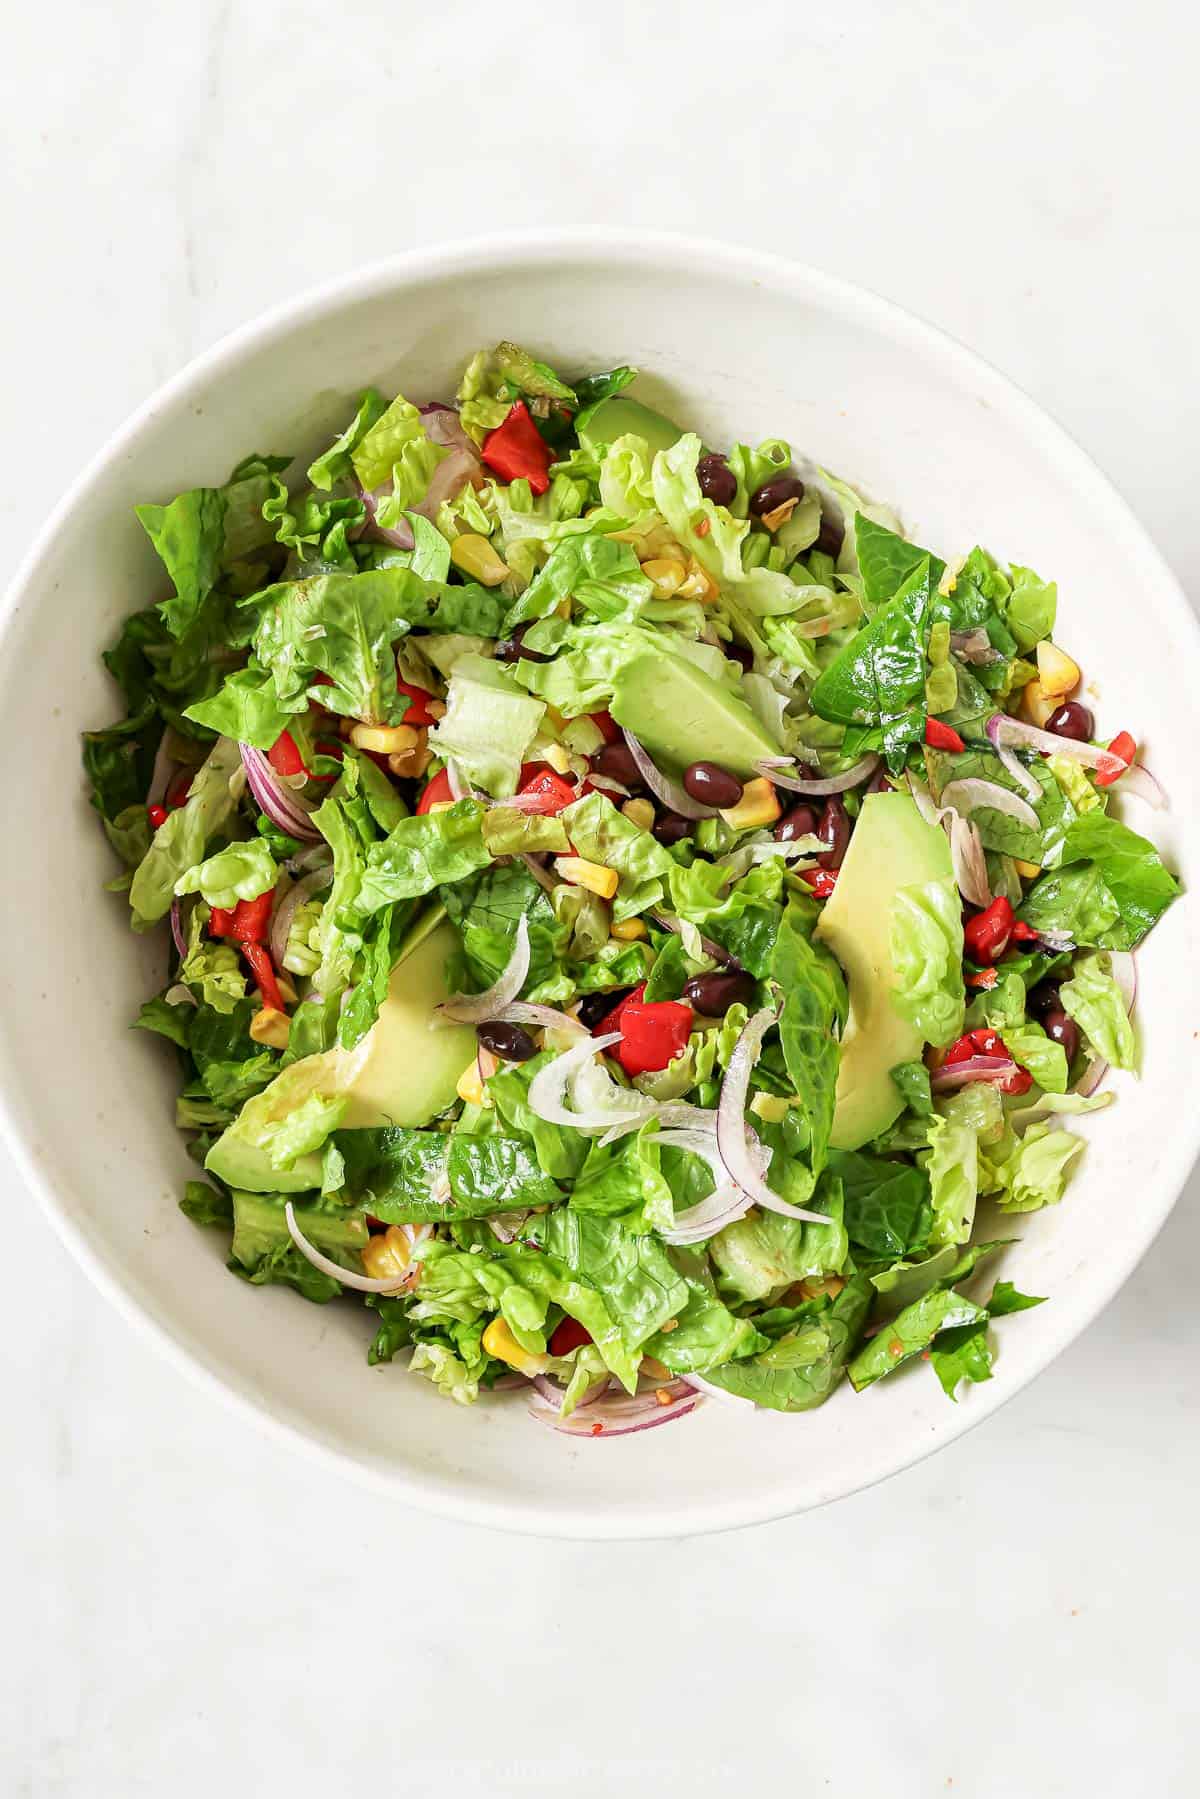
(684, 254)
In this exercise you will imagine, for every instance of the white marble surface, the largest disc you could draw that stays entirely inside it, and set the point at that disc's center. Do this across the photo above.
(187, 1606)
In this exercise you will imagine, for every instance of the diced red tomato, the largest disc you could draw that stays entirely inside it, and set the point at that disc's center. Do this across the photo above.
(654, 1034)
(284, 756)
(436, 792)
(157, 816)
(516, 449)
(820, 881)
(942, 737)
(569, 1335)
(546, 794)
(418, 712)
(607, 725)
(1123, 746)
(986, 936)
(263, 970)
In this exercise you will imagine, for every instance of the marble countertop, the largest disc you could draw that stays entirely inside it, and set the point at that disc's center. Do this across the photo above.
(189, 1605)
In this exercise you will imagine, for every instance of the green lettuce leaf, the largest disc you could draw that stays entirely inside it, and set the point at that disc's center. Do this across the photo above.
(600, 833)
(242, 871)
(878, 679)
(1093, 999)
(1035, 1170)
(765, 1252)
(813, 1016)
(397, 446)
(887, 1204)
(180, 843)
(487, 911)
(405, 1176)
(344, 627)
(952, 1160)
(336, 463)
(247, 708)
(599, 573)
(802, 1368)
(488, 727)
(434, 850)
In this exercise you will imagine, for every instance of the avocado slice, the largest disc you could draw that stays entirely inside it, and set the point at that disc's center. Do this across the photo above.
(682, 716)
(892, 847)
(403, 1072)
(618, 417)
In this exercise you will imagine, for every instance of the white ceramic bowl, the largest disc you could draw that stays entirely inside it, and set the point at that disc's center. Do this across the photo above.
(737, 345)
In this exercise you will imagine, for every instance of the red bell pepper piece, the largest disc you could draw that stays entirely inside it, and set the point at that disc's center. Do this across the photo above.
(285, 757)
(942, 737)
(1123, 746)
(607, 725)
(986, 936)
(246, 922)
(177, 793)
(220, 921)
(436, 793)
(418, 712)
(157, 816)
(653, 1035)
(983, 977)
(516, 450)
(263, 970)
(569, 1335)
(612, 1020)
(546, 794)
(1022, 932)
(987, 1042)
(820, 881)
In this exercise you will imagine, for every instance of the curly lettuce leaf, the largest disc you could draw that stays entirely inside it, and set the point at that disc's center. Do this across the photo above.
(488, 726)
(1093, 999)
(180, 842)
(243, 871)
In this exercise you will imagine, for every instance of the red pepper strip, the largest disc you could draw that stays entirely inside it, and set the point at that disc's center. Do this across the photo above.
(942, 737)
(177, 793)
(157, 816)
(654, 1034)
(983, 977)
(569, 1335)
(1123, 746)
(285, 757)
(820, 881)
(435, 794)
(1022, 932)
(418, 712)
(986, 936)
(220, 921)
(612, 1020)
(246, 922)
(607, 725)
(550, 792)
(263, 970)
(517, 450)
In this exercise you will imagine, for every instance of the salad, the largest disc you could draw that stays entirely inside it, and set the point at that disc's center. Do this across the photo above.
(635, 920)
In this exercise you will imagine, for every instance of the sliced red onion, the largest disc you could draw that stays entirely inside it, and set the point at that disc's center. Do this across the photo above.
(290, 812)
(667, 921)
(477, 1008)
(1124, 973)
(975, 646)
(1138, 781)
(735, 1141)
(546, 1018)
(724, 1205)
(541, 875)
(179, 995)
(486, 1065)
(1004, 732)
(975, 1068)
(442, 425)
(318, 856)
(1014, 766)
(1091, 1077)
(711, 1388)
(454, 472)
(1057, 942)
(619, 1414)
(548, 1089)
(970, 863)
(287, 907)
(971, 795)
(177, 928)
(606, 784)
(554, 1395)
(160, 775)
(400, 535)
(852, 777)
(361, 1283)
(668, 792)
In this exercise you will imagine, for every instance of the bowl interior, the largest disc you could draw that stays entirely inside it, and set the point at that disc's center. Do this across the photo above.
(737, 347)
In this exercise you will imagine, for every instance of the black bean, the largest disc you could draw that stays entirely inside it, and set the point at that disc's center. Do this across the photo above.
(830, 536)
(671, 827)
(595, 1006)
(775, 493)
(717, 480)
(713, 994)
(508, 1041)
(801, 821)
(512, 649)
(616, 761)
(711, 785)
(1044, 999)
(1072, 720)
(833, 829)
(739, 653)
(1061, 1029)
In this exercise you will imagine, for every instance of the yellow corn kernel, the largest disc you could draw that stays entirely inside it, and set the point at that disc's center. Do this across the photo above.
(653, 1369)
(272, 1027)
(772, 1108)
(554, 718)
(499, 1341)
(817, 1284)
(699, 584)
(629, 931)
(470, 1087)
(1037, 704)
(410, 765)
(1028, 871)
(385, 740)
(758, 806)
(558, 756)
(1057, 673)
(666, 575)
(475, 556)
(287, 992)
(779, 515)
(441, 806)
(639, 813)
(388, 1253)
(592, 875)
